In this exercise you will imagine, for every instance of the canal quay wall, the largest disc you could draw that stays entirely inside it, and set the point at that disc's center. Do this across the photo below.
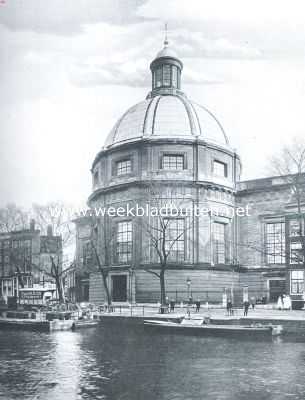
(293, 322)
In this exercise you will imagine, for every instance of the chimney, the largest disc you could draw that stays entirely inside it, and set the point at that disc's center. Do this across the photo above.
(32, 225)
(49, 230)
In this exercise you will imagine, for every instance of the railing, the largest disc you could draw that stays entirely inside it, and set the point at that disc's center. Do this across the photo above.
(210, 296)
(141, 310)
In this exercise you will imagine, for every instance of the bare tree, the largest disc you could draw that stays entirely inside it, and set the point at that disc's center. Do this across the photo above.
(13, 218)
(55, 216)
(165, 232)
(100, 242)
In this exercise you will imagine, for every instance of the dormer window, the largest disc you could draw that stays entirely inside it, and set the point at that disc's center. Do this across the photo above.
(173, 161)
(220, 169)
(123, 167)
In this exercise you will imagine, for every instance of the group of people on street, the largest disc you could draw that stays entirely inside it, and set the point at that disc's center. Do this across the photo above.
(171, 304)
(283, 303)
(246, 304)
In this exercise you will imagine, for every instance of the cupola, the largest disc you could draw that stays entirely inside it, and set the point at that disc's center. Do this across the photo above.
(166, 71)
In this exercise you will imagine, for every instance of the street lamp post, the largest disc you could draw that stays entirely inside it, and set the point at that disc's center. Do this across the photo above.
(188, 282)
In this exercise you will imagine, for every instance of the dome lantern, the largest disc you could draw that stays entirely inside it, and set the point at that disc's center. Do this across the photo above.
(166, 71)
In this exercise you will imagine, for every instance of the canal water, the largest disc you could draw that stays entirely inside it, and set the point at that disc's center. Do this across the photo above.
(117, 362)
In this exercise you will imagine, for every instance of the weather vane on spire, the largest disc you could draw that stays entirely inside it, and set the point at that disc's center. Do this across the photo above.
(166, 32)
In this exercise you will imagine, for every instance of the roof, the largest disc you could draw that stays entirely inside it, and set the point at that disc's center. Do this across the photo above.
(167, 116)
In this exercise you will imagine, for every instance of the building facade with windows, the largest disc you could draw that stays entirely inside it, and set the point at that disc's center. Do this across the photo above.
(25, 260)
(169, 150)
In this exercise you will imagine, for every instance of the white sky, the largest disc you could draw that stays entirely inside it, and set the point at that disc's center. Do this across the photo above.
(70, 68)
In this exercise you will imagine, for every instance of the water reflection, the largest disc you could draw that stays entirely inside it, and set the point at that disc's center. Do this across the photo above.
(116, 362)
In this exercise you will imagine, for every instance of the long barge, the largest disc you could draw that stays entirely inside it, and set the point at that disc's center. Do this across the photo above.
(202, 329)
(36, 325)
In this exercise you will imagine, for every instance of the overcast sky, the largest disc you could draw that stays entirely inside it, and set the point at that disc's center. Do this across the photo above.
(71, 68)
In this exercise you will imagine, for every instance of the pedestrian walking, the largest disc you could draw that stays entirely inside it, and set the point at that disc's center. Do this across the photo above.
(229, 307)
(253, 302)
(167, 303)
(172, 305)
(287, 302)
(280, 303)
(246, 308)
(198, 305)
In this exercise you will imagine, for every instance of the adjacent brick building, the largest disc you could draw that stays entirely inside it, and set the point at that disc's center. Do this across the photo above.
(25, 259)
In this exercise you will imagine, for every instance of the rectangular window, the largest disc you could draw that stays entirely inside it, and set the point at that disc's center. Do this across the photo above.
(174, 76)
(173, 161)
(166, 75)
(158, 77)
(124, 242)
(123, 167)
(296, 253)
(219, 238)
(296, 228)
(297, 282)
(6, 244)
(275, 243)
(220, 169)
(27, 243)
(175, 239)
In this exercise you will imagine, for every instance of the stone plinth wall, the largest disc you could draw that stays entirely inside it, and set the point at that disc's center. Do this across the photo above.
(207, 285)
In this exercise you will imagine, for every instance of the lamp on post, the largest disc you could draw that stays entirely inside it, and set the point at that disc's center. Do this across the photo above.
(188, 282)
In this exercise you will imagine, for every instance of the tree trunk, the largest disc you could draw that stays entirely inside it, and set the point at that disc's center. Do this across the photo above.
(59, 289)
(162, 287)
(106, 287)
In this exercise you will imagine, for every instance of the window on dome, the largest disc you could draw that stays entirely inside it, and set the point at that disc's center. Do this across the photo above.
(158, 77)
(123, 167)
(220, 169)
(173, 161)
(174, 76)
(166, 75)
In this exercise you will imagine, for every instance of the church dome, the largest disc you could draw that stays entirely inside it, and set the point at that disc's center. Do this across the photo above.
(167, 116)
(167, 112)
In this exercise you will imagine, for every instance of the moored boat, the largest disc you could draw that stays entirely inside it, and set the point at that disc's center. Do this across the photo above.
(85, 323)
(198, 326)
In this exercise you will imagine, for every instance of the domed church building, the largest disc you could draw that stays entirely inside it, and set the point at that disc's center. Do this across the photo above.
(169, 147)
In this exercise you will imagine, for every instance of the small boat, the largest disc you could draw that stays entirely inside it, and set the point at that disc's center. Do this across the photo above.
(199, 326)
(85, 323)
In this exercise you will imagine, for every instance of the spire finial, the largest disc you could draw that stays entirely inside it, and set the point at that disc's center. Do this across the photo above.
(165, 38)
